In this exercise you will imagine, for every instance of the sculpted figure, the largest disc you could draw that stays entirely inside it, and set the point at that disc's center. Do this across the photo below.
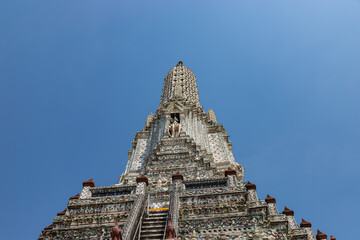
(161, 181)
(193, 236)
(170, 231)
(174, 128)
(116, 232)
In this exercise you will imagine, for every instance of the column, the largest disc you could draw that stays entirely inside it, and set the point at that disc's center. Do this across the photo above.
(175, 200)
(290, 217)
(307, 227)
(231, 176)
(85, 192)
(272, 205)
(252, 195)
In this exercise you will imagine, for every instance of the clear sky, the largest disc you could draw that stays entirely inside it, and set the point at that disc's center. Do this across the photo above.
(78, 79)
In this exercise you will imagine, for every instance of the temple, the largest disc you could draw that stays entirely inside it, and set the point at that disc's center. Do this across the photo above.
(181, 182)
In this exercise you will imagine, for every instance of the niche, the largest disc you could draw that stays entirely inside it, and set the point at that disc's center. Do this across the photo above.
(175, 116)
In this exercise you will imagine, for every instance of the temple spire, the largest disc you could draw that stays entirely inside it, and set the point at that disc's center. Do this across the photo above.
(180, 84)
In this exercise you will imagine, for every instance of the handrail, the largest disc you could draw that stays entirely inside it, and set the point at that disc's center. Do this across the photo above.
(148, 203)
(167, 216)
(138, 228)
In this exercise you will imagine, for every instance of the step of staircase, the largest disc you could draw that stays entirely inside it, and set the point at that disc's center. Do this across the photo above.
(155, 217)
(157, 226)
(153, 226)
(153, 221)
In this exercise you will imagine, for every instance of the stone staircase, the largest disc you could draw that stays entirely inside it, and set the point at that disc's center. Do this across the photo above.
(153, 225)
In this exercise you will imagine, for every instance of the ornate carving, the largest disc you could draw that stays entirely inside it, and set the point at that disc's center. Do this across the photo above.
(170, 231)
(116, 233)
(211, 116)
(174, 129)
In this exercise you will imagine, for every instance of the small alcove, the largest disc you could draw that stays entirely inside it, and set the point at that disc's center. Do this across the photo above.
(175, 115)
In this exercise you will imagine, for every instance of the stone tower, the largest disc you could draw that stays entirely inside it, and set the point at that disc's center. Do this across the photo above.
(181, 182)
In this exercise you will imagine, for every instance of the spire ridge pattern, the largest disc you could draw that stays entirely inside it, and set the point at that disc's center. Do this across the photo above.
(180, 84)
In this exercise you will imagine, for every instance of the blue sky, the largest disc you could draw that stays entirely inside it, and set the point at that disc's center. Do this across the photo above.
(78, 78)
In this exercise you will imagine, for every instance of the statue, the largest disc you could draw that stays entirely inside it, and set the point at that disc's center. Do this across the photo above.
(161, 181)
(170, 231)
(193, 236)
(174, 128)
(116, 232)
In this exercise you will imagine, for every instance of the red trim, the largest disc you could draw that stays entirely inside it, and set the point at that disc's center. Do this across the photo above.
(269, 199)
(89, 183)
(288, 212)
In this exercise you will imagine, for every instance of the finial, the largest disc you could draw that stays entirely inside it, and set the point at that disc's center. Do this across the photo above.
(250, 185)
(89, 183)
(270, 199)
(288, 212)
(320, 235)
(180, 63)
(305, 223)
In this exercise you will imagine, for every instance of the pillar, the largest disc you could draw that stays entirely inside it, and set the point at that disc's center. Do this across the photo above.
(85, 192)
(231, 176)
(290, 217)
(272, 205)
(307, 227)
(252, 195)
(177, 180)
